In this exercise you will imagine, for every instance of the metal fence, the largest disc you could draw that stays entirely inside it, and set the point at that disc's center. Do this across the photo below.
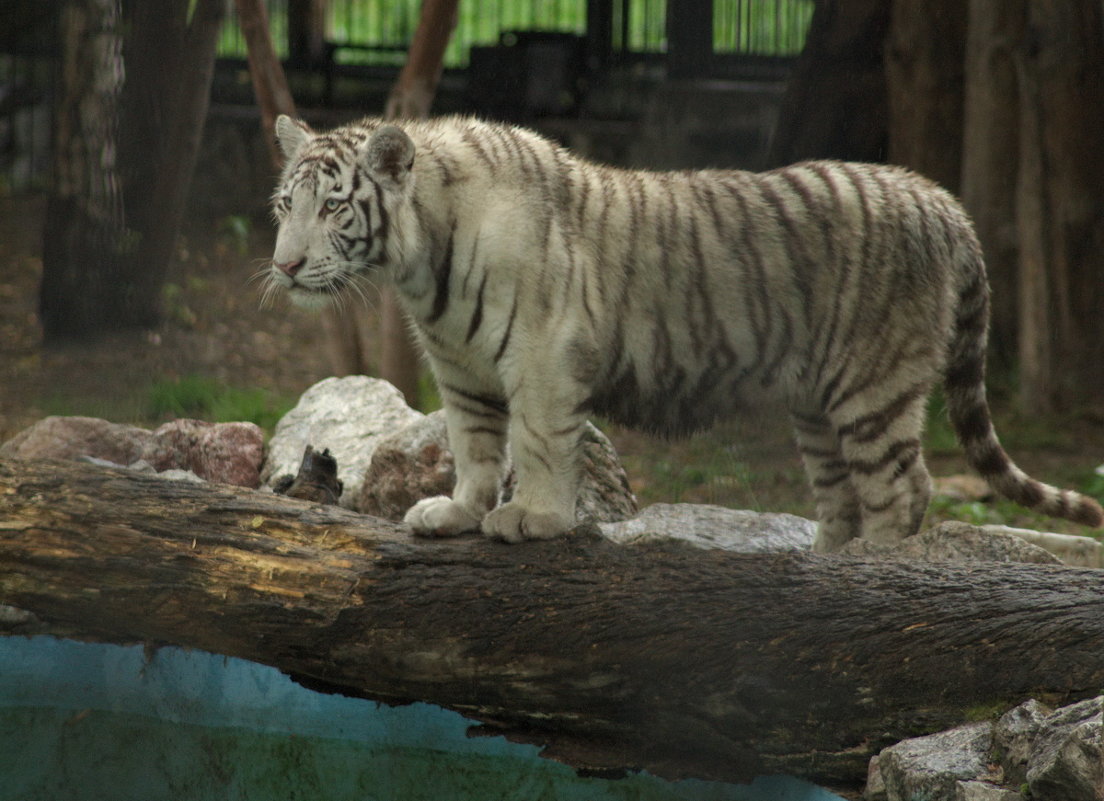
(374, 32)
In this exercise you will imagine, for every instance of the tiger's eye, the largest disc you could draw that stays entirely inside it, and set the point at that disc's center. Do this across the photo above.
(332, 204)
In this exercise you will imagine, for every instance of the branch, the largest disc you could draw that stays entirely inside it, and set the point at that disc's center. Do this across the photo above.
(663, 657)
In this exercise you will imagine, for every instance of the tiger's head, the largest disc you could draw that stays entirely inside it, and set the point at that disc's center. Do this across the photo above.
(338, 195)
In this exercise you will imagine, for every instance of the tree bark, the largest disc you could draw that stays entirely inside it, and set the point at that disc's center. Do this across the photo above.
(186, 94)
(307, 31)
(990, 157)
(924, 73)
(112, 224)
(662, 657)
(270, 84)
(1061, 70)
(835, 101)
(169, 53)
(411, 98)
(84, 244)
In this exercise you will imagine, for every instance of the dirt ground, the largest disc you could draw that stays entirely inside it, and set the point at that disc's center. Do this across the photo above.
(216, 330)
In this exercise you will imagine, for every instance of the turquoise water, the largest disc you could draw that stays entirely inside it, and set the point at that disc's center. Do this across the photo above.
(87, 721)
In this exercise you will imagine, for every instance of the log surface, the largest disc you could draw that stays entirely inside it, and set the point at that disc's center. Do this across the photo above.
(662, 657)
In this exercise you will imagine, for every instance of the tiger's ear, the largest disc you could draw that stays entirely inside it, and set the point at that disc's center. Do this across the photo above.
(291, 135)
(390, 154)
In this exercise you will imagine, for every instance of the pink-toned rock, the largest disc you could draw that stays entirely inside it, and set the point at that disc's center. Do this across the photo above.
(73, 437)
(415, 463)
(230, 453)
(412, 464)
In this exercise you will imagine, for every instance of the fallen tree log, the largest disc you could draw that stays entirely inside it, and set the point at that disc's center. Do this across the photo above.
(662, 657)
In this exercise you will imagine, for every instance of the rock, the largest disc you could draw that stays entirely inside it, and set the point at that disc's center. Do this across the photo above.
(706, 526)
(349, 416)
(932, 767)
(416, 463)
(954, 541)
(1071, 549)
(1057, 754)
(1014, 736)
(230, 453)
(984, 791)
(73, 437)
(875, 786)
(964, 487)
(1067, 761)
(413, 463)
(604, 494)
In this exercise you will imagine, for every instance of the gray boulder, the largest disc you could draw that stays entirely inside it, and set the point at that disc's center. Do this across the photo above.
(1071, 549)
(931, 767)
(1067, 760)
(1058, 755)
(954, 541)
(706, 526)
(984, 791)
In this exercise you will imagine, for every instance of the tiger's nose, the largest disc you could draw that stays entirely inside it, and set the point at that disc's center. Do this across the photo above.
(290, 268)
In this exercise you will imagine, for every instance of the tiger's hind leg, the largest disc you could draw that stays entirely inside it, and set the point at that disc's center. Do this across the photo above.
(883, 455)
(838, 510)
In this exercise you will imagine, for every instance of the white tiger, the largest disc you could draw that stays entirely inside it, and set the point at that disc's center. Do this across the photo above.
(545, 288)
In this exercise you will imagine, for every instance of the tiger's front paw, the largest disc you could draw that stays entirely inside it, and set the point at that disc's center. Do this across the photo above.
(440, 517)
(512, 522)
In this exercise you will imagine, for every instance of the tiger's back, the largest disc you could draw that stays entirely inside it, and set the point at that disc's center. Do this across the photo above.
(545, 288)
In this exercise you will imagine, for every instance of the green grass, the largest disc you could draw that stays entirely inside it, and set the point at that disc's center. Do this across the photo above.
(211, 400)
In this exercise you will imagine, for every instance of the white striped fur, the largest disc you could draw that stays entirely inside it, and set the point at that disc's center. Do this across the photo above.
(545, 288)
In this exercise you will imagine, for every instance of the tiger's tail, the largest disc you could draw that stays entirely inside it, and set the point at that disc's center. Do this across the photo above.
(964, 382)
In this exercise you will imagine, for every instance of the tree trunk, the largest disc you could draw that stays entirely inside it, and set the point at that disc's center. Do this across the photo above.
(835, 102)
(306, 31)
(106, 252)
(84, 241)
(270, 84)
(411, 98)
(1061, 69)
(662, 657)
(412, 95)
(990, 157)
(181, 113)
(924, 74)
(1033, 166)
